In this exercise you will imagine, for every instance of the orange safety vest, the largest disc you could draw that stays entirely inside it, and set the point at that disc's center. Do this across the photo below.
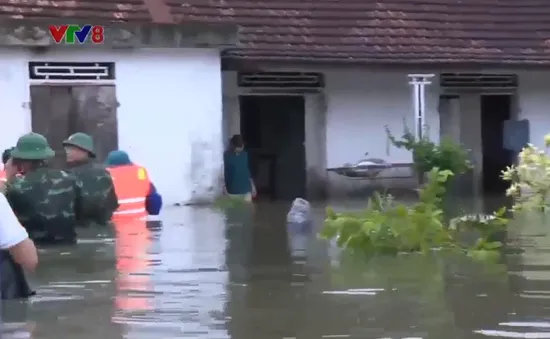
(131, 187)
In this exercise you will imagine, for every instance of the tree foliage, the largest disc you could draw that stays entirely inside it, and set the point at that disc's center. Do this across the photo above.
(530, 179)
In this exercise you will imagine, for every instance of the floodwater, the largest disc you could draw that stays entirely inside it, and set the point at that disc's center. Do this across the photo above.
(244, 275)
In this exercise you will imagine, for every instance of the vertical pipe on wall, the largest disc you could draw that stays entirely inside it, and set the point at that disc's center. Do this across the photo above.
(416, 109)
(422, 109)
(419, 82)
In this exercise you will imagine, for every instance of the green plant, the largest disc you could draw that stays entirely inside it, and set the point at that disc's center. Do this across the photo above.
(447, 155)
(530, 179)
(387, 227)
(489, 229)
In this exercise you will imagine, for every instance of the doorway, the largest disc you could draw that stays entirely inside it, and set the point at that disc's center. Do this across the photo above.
(273, 130)
(495, 110)
(59, 111)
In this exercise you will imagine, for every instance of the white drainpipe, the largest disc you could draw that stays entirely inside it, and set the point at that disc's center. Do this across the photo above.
(419, 82)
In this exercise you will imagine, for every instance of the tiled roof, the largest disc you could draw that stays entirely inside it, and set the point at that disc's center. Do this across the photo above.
(385, 31)
(133, 10)
(366, 31)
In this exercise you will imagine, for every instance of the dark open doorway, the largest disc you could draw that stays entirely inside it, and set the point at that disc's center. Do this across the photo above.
(495, 109)
(273, 130)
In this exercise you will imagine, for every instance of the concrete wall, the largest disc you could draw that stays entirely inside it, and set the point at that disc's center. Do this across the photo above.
(169, 118)
(360, 105)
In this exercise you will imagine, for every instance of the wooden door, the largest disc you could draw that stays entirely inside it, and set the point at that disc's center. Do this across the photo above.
(51, 107)
(95, 114)
(59, 111)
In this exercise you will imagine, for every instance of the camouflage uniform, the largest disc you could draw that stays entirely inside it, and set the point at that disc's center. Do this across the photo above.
(45, 200)
(98, 197)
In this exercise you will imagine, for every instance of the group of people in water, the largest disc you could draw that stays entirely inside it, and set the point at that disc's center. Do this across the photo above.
(51, 203)
(45, 206)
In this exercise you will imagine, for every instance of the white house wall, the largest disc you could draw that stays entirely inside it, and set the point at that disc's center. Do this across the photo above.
(169, 118)
(534, 103)
(360, 105)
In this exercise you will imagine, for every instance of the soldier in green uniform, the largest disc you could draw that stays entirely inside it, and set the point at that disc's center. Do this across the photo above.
(45, 200)
(98, 197)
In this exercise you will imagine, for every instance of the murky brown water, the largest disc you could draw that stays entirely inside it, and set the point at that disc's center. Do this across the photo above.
(202, 275)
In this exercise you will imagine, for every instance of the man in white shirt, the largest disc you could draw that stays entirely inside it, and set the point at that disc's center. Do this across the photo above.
(14, 238)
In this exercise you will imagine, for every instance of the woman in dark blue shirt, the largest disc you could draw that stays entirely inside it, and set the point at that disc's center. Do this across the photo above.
(238, 180)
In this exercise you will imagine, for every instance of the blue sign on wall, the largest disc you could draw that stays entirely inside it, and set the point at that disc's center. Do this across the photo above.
(516, 134)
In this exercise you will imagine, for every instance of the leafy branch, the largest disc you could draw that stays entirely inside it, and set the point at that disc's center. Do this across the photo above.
(447, 155)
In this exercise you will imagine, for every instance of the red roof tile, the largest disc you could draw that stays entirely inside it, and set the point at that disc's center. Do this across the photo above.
(100, 10)
(386, 31)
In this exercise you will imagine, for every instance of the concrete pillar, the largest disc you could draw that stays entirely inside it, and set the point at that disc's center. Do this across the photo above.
(315, 144)
(449, 118)
(231, 117)
(470, 135)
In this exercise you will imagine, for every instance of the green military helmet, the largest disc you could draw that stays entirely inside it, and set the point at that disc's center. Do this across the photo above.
(32, 146)
(82, 141)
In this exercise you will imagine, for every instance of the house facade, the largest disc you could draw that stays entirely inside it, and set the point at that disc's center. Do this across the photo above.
(348, 118)
(488, 70)
(308, 90)
(151, 88)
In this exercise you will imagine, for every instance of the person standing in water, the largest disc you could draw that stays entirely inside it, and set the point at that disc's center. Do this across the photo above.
(237, 178)
(98, 197)
(45, 200)
(135, 191)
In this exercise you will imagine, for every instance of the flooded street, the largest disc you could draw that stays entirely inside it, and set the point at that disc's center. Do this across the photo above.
(244, 275)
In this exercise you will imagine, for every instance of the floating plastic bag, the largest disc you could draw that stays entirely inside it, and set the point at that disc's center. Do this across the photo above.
(300, 212)
(299, 224)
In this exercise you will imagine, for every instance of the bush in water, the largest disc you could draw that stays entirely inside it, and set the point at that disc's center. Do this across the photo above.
(387, 227)
(530, 179)
(447, 155)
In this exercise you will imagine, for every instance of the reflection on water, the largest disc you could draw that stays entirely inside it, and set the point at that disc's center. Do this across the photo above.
(247, 275)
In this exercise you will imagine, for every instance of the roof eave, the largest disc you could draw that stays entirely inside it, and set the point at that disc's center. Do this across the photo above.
(410, 65)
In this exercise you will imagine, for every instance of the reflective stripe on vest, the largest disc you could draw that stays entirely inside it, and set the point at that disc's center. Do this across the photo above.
(131, 186)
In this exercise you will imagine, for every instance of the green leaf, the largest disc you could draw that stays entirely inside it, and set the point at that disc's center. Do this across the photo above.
(484, 255)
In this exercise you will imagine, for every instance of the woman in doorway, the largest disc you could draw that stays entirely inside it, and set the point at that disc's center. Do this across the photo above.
(237, 178)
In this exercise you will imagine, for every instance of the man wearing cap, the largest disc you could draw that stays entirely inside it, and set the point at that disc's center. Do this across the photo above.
(45, 200)
(98, 197)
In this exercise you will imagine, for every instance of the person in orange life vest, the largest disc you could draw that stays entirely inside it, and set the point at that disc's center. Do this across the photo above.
(120, 161)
